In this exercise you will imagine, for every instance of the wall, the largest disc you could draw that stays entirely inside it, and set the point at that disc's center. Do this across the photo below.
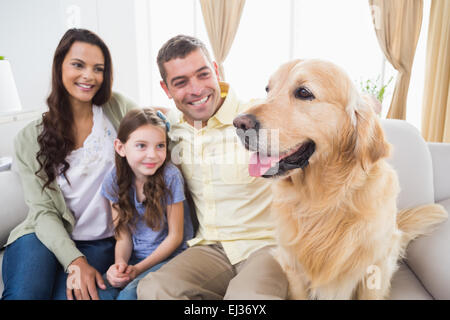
(10, 126)
(29, 34)
(30, 31)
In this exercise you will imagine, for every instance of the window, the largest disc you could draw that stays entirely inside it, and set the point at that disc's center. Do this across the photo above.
(273, 32)
(270, 33)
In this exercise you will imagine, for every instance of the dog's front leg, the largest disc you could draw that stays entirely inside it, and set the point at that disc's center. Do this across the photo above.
(377, 282)
(297, 289)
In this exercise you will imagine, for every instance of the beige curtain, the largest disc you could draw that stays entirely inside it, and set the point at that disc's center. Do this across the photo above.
(436, 97)
(397, 25)
(222, 20)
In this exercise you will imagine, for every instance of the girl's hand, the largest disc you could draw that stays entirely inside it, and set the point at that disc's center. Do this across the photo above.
(117, 276)
(85, 278)
(132, 272)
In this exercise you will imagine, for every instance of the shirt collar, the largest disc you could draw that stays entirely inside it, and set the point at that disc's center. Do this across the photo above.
(227, 110)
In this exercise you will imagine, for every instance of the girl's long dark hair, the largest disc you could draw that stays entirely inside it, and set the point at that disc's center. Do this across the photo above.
(155, 189)
(57, 138)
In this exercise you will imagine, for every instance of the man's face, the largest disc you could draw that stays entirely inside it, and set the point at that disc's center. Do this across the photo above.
(193, 84)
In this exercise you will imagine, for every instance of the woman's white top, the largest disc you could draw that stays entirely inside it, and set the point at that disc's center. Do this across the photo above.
(88, 166)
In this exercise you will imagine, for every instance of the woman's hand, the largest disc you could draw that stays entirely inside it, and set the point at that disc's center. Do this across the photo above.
(86, 278)
(117, 276)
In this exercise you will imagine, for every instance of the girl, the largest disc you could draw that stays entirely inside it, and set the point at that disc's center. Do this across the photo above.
(62, 159)
(146, 194)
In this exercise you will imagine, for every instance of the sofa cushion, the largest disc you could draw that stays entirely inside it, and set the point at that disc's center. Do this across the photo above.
(406, 286)
(430, 259)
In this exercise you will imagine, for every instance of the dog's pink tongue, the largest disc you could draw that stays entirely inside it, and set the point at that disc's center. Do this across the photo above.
(259, 165)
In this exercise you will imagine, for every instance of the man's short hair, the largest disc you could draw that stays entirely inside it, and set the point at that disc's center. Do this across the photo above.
(178, 47)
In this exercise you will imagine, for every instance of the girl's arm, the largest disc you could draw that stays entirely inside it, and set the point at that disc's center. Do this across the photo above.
(175, 220)
(124, 243)
(122, 252)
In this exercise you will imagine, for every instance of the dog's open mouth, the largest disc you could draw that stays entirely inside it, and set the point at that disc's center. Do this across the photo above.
(271, 166)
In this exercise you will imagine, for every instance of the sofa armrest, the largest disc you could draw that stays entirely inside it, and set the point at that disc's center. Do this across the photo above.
(14, 210)
(428, 256)
(440, 154)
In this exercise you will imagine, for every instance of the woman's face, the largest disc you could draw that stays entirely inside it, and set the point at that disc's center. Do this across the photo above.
(82, 71)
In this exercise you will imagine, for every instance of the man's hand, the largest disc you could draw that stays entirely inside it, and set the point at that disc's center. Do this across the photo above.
(117, 276)
(85, 278)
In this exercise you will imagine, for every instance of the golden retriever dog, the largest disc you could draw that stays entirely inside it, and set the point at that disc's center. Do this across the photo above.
(339, 232)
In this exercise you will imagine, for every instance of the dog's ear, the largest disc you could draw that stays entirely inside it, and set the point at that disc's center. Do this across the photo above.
(370, 144)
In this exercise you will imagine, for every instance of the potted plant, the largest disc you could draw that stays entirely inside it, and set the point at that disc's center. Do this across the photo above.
(375, 89)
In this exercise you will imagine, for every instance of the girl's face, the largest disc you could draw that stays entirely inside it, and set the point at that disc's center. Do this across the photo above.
(82, 71)
(145, 150)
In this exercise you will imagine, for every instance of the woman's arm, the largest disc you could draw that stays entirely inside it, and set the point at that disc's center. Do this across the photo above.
(175, 220)
(51, 219)
(47, 211)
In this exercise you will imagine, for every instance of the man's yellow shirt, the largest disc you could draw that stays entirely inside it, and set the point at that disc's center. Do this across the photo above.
(232, 207)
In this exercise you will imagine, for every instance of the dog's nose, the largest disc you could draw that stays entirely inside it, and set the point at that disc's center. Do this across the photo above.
(246, 122)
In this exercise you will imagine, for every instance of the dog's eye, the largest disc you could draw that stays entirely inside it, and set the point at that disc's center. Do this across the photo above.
(303, 94)
(267, 89)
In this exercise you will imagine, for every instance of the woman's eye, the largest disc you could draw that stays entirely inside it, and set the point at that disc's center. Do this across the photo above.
(303, 93)
(161, 146)
(140, 145)
(77, 65)
(99, 69)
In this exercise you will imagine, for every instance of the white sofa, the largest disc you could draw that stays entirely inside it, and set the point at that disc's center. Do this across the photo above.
(424, 172)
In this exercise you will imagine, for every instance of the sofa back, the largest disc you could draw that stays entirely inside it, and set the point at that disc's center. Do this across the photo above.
(440, 152)
(411, 158)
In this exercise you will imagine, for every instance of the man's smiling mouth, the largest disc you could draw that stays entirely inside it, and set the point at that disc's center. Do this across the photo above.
(199, 102)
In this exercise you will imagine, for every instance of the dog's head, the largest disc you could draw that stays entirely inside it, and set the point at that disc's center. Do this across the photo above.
(312, 113)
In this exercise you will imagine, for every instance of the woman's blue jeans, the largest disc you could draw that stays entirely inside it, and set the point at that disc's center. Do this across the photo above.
(31, 271)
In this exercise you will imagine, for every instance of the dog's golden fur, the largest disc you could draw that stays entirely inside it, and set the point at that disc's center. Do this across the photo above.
(338, 230)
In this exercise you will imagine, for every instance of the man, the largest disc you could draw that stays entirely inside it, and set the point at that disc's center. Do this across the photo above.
(230, 257)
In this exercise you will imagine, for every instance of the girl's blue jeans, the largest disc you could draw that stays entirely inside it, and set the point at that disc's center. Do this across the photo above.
(129, 291)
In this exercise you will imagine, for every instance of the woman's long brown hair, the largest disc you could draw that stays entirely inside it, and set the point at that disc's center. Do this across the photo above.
(155, 189)
(57, 139)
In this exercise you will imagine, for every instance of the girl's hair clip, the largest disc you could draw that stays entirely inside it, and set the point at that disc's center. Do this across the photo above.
(164, 118)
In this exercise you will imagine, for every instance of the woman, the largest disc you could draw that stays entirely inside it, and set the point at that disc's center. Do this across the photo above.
(62, 160)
